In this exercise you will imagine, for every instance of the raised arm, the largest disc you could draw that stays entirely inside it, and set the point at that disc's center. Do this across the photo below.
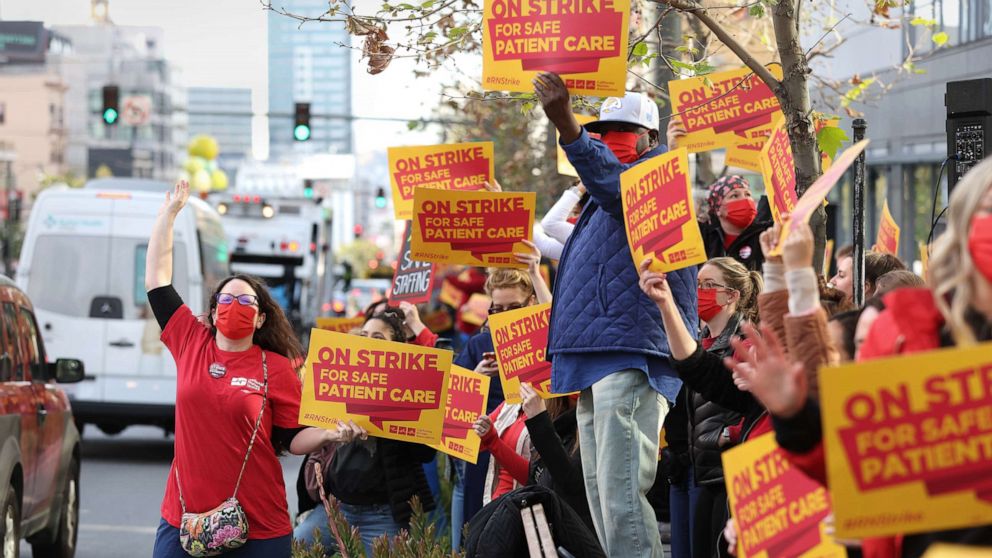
(158, 259)
(533, 261)
(681, 341)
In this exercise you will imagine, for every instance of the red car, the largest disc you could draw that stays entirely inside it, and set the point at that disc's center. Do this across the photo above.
(39, 442)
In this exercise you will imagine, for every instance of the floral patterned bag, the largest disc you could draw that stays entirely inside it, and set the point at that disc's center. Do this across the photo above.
(225, 527)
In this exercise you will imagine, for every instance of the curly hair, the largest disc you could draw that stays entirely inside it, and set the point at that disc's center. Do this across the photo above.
(394, 322)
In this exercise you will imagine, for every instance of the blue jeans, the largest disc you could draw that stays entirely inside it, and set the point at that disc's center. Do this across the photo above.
(372, 522)
(619, 419)
(457, 503)
(682, 499)
(167, 546)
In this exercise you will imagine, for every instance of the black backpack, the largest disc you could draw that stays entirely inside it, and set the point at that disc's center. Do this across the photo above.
(497, 531)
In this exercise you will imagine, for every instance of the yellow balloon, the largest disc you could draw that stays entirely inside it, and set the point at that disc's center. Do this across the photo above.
(194, 164)
(219, 179)
(201, 181)
(204, 146)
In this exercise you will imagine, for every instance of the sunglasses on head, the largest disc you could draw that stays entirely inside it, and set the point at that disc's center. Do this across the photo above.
(243, 300)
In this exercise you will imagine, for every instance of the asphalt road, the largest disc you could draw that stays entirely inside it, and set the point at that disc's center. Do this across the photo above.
(121, 487)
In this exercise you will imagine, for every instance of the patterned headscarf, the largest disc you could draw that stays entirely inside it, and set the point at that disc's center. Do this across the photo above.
(722, 187)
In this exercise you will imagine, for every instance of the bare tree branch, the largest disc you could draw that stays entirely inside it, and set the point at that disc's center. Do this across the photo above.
(690, 6)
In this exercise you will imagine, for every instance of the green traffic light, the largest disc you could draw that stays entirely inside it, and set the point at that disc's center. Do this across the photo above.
(380, 202)
(308, 193)
(110, 115)
(301, 132)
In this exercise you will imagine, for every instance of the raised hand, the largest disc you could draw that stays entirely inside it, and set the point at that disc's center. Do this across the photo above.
(176, 199)
(533, 404)
(483, 425)
(654, 284)
(411, 317)
(557, 105)
(532, 258)
(797, 252)
(777, 382)
(769, 239)
(675, 132)
(493, 186)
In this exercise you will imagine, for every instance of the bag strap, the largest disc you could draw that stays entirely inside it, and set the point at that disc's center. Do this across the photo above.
(251, 443)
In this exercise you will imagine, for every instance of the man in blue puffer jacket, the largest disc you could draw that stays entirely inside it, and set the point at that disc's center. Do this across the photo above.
(606, 339)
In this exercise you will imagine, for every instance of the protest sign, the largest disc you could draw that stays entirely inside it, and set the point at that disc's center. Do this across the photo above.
(924, 259)
(659, 213)
(393, 390)
(718, 109)
(584, 42)
(779, 171)
(456, 166)
(564, 167)
(916, 430)
(887, 240)
(817, 192)
(467, 395)
(520, 339)
(413, 281)
(779, 511)
(438, 321)
(476, 310)
(747, 154)
(942, 550)
(340, 325)
(474, 228)
(451, 295)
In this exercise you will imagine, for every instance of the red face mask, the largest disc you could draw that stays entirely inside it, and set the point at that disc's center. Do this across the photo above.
(741, 213)
(707, 307)
(980, 245)
(624, 145)
(235, 321)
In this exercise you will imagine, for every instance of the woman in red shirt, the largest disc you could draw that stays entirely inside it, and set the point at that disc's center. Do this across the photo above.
(224, 371)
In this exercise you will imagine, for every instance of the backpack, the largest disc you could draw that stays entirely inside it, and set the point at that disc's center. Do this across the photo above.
(497, 531)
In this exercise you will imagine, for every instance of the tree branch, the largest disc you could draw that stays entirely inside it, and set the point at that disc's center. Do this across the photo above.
(690, 6)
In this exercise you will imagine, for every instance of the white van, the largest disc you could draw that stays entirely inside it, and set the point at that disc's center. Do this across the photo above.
(83, 265)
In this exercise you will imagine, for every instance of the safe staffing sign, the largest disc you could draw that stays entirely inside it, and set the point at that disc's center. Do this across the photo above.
(456, 166)
(659, 213)
(718, 109)
(467, 395)
(778, 510)
(916, 430)
(472, 228)
(413, 281)
(584, 41)
(393, 390)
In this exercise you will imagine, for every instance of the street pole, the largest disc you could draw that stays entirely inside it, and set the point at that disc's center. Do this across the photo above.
(858, 269)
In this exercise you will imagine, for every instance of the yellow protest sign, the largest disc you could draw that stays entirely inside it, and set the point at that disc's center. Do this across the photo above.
(924, 259)
(585, 43)
(564, 167)
(916, 430)
(456, 166)
(747, 154)
(520, 339)
(816, 194)
(473, 228)
(340, 325)
(467, 395)
(393, 390)
(476, 310)
(779, 171)
(887, 240)
(659, 213)
(718, 109)
(778, 510)
(941, 550)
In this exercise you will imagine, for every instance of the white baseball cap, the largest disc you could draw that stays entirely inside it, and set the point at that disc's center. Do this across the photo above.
(633, 108)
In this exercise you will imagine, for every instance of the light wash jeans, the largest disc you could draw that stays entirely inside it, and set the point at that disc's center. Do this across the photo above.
(372, 523)
(457, 504)
(619, 420)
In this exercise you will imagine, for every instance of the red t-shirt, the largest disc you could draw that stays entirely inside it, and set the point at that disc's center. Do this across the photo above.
(214, 422)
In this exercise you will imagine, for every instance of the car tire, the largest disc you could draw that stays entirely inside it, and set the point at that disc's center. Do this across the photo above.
(64, 545)
(10, 525)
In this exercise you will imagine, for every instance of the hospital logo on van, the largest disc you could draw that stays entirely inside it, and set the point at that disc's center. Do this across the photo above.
(72, 223)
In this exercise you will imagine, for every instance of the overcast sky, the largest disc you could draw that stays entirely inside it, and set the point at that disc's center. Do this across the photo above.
(223, 43)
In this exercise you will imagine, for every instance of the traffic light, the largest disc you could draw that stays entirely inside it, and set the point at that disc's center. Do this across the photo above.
(111, 104)
(308, 189)
(301, 126)
(359, 229)
(380, 198)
